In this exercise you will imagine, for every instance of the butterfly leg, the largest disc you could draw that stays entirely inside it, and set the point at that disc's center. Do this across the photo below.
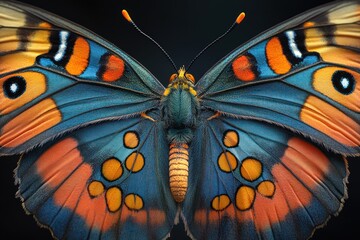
(216, 115)
(144, 115)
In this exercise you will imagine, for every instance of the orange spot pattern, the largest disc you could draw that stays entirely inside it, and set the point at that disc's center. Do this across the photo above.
(79, 59)
(114, 69)
(243, 69)
(276, 57)
(112, 169)
(135, 162)
(227, 162)
(220, 202)
(61, 167)
(302, 169)
(250, 170)
(131, 139)
(231, 139)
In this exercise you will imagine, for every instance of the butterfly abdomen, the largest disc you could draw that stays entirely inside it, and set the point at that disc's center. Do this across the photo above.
(178, 170)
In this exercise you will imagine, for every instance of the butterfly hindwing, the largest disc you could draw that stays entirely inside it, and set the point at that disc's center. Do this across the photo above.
(298, 75)
(103, 181)
(263, 182)
(56, 73)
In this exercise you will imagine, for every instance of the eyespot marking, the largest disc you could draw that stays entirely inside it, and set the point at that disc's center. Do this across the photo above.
(14, 87)
(343, 82)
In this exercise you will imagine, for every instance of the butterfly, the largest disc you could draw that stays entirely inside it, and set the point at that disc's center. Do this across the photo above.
(256, 148)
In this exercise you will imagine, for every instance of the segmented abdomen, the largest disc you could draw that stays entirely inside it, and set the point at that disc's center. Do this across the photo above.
(179, 170)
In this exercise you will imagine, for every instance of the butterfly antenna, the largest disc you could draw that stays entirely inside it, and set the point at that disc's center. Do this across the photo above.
(128, 18)
(238, 20)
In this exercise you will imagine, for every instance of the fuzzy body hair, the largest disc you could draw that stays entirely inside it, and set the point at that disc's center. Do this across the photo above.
(180, 113)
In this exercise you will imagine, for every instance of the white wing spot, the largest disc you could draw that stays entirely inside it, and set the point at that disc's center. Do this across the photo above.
(62, 47)
(292, 44)
(345, 82)
(14, 87)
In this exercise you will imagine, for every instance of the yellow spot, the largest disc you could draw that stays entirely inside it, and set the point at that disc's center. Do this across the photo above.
(135, 162)
(131, 139)
(167, 92)
(220, 202)
(309, 24)
(192, 91)
(44, 25)
(112, 169)
(227, 161)
(231, 139)
(95, 188)
(266, 188)
(181, 72)
(245, 198)
(251, 169)
(113, 199)
(134, 202)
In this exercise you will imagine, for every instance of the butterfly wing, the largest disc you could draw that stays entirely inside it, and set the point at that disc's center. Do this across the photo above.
(104, 181)
(57, 76)
(303, 74)
(100, 168)
(288, 104)
(263, 182)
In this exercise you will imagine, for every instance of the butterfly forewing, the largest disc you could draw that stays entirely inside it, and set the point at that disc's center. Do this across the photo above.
(63, 79)
(306, 78)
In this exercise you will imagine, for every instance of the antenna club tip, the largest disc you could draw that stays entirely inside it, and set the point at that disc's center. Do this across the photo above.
(126, 15)
(240, 18)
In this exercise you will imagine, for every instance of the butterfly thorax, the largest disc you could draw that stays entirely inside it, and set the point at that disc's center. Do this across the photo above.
(180, 108)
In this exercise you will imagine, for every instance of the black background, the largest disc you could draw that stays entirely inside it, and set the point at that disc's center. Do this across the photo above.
(183, 28)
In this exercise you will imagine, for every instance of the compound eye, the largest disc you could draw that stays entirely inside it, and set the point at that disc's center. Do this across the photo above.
(190, 77)
(172, 77)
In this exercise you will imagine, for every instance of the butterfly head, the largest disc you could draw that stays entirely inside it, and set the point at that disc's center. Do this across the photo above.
(181, 80)
(182, 77)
